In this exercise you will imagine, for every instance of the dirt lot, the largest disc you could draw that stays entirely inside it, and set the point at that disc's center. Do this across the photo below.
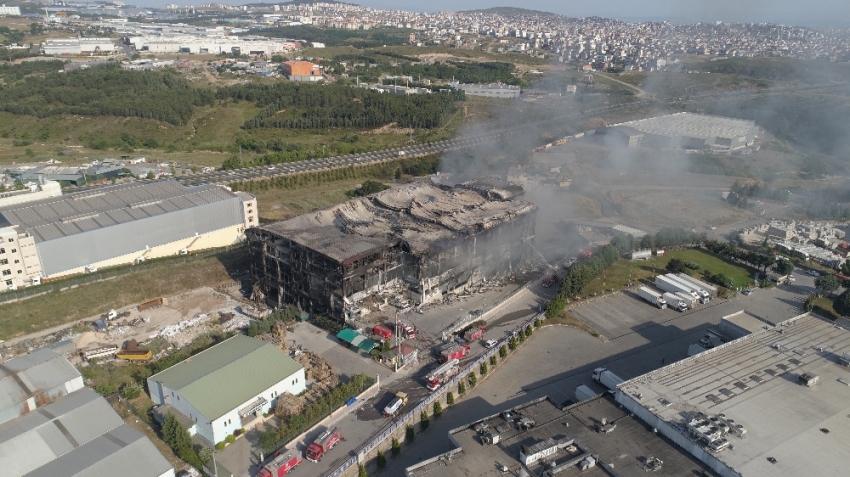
(70, 306)
(187, 316)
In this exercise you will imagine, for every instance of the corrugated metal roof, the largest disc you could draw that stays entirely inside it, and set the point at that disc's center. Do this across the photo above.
(54, 430)
(119, 228)
(229, 374)
(347, 335)
(122, 451)
(76, 213)
(37, 374)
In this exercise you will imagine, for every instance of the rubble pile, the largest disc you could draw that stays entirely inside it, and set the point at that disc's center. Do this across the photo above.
(238, 322)
(171, 331)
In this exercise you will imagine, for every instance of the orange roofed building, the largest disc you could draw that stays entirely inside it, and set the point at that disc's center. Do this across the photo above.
(301, 71)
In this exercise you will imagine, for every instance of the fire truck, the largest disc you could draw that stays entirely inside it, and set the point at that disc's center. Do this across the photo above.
(442, 374)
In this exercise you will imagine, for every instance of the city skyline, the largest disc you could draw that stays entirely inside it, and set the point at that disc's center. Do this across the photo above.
(812, 14)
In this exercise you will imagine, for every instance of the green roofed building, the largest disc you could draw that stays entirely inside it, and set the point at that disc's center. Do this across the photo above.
(217, 390)
(357, 340)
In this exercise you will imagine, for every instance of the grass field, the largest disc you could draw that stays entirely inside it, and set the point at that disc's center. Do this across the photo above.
(618, 275)
(279, 204)
(823, 307)
(76, 304)
(207, 140)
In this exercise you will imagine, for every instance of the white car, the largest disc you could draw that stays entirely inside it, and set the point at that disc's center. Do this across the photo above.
(813, 273)
(791, 278)
(490, 343)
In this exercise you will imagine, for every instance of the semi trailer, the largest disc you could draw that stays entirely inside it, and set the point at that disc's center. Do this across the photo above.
(653, 297)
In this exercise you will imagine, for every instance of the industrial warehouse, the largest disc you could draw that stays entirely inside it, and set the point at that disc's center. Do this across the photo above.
(687, 131)
(594, 438)
(116, 225)
(773, 402)
(50, 424)
(425, 239)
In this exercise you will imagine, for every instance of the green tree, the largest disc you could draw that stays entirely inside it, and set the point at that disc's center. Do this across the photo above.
(382, 459)
(205, 454)
(473, 380)
(809, 304)
(104, 389)
(450, 399)
(362, 472)
(150, 176)
(461, 389)
(826, 284)
(231, 163)
(556, 306)
(522, 335)
(512, 344)
(131, 390)
(842, 303)
(269, 438)
(175, 435)
(503, 352)
(409, 434)
(424, 420)
(529, 330)
(493, 360)
(438, 408)
(396, 446)
(482, 370)
(675, 265)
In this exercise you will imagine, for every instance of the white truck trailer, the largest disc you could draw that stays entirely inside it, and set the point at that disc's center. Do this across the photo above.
(689, 300)
(675, 302)
(712, 290)
(606, 378)
(673, 286)
(583, 393)
(696, 291)
(652, 296)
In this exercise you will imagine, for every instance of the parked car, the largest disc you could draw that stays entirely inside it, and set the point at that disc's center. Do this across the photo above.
(748, 292)
(490, 343)
(813, 273)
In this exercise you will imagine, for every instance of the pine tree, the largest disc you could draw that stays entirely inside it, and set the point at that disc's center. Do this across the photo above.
(438, 408)
(450, 399)
(362, 472)
(409, 434)
(382, 460)
(424, 420)
(396, 446)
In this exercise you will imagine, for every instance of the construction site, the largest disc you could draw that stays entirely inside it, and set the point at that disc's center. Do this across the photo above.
(422, 240)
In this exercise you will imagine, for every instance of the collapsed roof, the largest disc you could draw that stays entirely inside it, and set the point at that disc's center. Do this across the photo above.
(420, 214)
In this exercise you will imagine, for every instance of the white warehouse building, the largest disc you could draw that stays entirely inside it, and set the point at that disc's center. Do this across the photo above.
(226, 387)
(211, 45)
(79, 47)
(116, 225)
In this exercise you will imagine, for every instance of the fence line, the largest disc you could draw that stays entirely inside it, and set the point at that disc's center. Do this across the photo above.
(81, 280)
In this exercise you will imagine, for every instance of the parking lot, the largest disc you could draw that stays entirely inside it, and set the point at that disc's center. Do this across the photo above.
(639, 339)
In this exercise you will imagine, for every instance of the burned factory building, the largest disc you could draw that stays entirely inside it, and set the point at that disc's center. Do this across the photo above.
(424, 238)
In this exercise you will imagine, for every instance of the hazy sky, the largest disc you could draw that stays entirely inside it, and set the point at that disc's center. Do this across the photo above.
(814, 13)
